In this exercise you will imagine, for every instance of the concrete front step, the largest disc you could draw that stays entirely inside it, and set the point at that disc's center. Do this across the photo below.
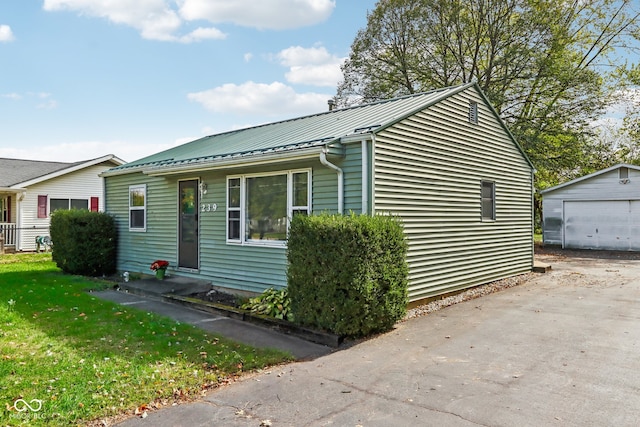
(175, 285)
(540, 267)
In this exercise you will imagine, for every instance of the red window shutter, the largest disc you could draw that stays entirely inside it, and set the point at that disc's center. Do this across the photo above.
(94, 204)
(42, 206)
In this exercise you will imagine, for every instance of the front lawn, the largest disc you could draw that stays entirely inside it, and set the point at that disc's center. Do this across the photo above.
(83, 358)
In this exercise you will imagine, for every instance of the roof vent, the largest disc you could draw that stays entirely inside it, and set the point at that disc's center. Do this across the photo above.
(332, 104)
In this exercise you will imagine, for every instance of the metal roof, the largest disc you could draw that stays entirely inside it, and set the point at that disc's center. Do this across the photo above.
(294, 134)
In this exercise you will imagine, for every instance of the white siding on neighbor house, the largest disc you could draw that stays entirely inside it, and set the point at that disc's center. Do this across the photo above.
(599, 189)
(82, 184)
(428, 170)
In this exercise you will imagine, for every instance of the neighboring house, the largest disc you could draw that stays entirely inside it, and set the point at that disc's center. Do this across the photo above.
(30, 190)
(218, 208)
(596, 211)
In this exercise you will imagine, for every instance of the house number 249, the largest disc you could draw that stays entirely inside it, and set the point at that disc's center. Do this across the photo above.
(208, 207)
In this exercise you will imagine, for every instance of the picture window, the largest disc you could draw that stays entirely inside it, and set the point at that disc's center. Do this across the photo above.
(259, 207)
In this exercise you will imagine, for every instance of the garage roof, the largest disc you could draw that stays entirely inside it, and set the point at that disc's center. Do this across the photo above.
(591, 175)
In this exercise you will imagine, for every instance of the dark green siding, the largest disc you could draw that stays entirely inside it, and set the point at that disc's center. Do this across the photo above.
(241, 267)
(428, 170)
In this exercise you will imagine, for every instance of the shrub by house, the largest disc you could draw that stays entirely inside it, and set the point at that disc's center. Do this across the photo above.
(84, 242)
(347, 273)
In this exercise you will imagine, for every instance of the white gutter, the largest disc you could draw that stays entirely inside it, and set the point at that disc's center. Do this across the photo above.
(365, 177)
(325, 162)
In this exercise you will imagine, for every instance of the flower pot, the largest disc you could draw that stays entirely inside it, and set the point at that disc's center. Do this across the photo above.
(160, 273)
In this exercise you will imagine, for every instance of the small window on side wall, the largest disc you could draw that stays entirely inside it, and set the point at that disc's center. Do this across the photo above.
(137, 207)
(488, 200)
(473, 112)
(623, 175)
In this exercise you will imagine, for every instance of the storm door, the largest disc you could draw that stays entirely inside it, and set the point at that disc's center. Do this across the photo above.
(188, 224)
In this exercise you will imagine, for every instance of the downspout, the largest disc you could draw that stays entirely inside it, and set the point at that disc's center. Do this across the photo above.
(373, 174)
(365, 177)
(325, 162)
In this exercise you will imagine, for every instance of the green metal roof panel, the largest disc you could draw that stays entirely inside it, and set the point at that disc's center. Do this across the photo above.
(303, 132)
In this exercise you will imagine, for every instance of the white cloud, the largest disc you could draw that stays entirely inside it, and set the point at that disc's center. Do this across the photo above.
(163, 19)
(312, 66)
(49, 104)
(200, 34)
(14, 96)
(155, 19)
(85, 150)
(273, 99)
(298, 55)
(43, 100)
(263, 14)
(248, 57)
(46, 103)
(6, 35)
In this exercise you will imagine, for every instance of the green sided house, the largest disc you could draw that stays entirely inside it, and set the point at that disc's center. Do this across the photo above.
(218, 208)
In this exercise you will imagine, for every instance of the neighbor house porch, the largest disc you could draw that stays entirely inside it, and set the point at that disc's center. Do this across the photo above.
(8, 232)
(8, 229)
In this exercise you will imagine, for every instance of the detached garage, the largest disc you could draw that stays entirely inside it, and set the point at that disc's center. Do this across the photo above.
(596, 211)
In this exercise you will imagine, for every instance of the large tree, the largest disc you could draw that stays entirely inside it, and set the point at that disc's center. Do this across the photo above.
(548, 66)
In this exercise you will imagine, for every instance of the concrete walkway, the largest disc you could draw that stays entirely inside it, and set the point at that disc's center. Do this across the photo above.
(560, 350)
(237, 330)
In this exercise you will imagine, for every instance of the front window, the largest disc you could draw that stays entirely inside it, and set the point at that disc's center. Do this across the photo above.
(259, 206)
(266, 212)
(137, 207)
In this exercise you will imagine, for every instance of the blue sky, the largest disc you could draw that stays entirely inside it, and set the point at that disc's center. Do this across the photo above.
(83, 78)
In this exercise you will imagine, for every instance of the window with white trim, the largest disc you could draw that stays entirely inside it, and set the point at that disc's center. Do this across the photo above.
(233, 209)
(259, 206)
(138, 207)
(488, 200)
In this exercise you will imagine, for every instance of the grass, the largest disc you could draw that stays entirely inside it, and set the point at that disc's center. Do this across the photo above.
(88, 359)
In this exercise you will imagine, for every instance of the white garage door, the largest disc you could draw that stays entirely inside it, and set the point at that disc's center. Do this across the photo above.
(611, 225)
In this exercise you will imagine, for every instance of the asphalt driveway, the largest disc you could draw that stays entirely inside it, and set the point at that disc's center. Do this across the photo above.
(562, 349)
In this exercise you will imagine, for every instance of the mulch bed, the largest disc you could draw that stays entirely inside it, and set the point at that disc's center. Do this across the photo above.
(218, 298)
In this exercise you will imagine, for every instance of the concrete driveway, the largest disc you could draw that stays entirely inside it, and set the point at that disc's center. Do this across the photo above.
(563, 349)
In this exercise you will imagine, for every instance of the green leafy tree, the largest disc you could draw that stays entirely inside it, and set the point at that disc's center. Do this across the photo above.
(550, 67)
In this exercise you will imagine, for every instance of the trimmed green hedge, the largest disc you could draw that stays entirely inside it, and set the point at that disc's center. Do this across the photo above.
(84, 242)
(347, 273)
